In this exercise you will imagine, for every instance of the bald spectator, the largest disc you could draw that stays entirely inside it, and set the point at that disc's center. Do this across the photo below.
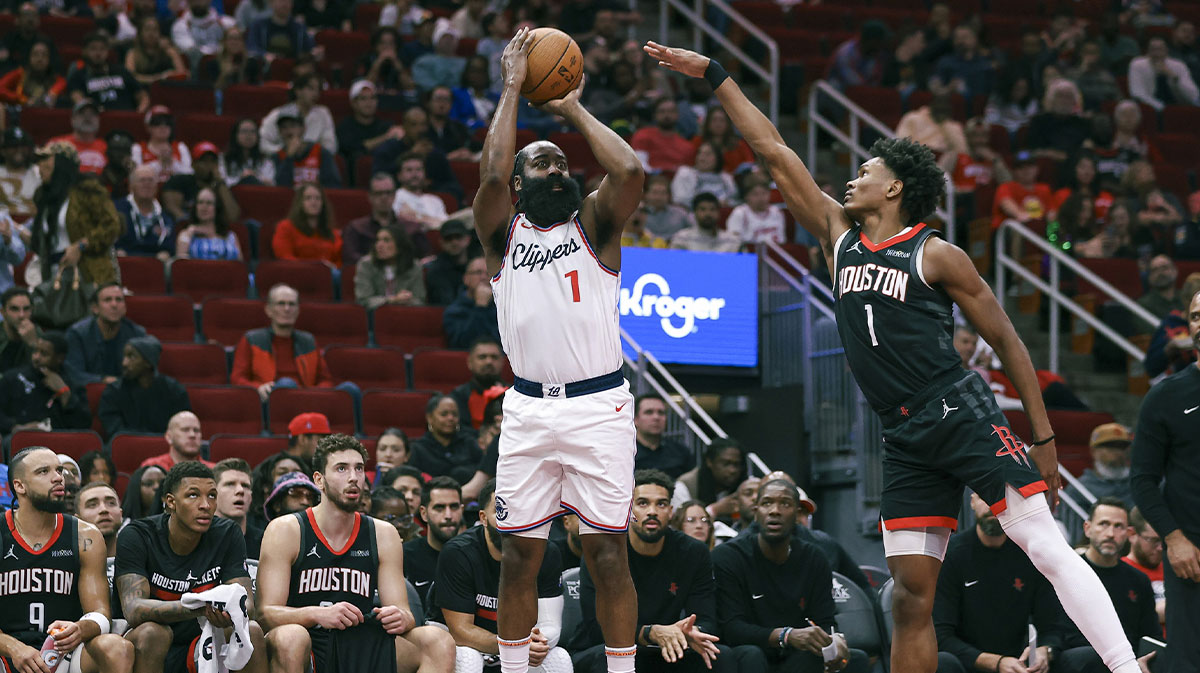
(660, 146)
(38, 395)
(654, 450)
(18, 333)
(143, 399)
(1160, 297)
(149, 230)
(184, 442)
(97, 344)
(1158, 80)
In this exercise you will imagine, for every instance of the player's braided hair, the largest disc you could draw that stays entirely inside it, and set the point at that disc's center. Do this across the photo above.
(915, 166)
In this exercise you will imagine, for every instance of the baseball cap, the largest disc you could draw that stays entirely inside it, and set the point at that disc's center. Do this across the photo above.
(309, 424)
(359, 87)
(1110, 434)
(83, 104)
(285, 482)
(157, 111)
(204, 147)
(806, 501)
(454, 228)
(14, 136)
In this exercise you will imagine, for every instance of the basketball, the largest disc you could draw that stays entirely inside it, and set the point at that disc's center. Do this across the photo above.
(555, 65)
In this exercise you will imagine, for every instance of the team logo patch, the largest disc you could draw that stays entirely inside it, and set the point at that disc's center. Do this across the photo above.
(501, 509)
(1011, 446)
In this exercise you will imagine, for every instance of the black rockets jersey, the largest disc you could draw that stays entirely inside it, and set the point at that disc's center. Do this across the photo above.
(38, 587)
(322, 575)
(897, 330)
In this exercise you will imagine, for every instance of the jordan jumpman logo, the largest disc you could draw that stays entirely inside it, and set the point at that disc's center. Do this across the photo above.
(946, 409)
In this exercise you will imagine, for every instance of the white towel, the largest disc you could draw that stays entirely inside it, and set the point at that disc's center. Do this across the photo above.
(214, 655)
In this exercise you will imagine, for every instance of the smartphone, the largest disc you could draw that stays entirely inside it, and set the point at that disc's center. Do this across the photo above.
(1148, 645)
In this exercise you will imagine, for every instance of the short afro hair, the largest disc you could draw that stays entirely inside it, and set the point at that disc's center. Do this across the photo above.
(185, 470)
(915, 166)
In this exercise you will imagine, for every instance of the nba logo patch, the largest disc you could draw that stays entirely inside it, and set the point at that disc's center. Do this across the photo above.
(501, 509)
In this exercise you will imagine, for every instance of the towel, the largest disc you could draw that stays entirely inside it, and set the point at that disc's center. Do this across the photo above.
(214, 655)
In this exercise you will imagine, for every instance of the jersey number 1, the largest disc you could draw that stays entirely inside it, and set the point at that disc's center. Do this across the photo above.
(871, 325)
(574, 277)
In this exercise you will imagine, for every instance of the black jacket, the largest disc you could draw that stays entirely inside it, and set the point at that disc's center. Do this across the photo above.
(24, 398)
(125, 406)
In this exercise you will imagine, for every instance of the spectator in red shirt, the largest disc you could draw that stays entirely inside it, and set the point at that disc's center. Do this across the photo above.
(35, 83)
(85, 124)
(661, 147)
(1146, 554)
(183, 442)
(1024, 199)
(308, 231)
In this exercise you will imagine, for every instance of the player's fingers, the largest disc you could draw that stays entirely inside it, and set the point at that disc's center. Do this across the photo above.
(354, 611)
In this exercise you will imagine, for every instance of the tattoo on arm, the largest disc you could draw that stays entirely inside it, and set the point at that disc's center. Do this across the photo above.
(140, 608)
(87, 543)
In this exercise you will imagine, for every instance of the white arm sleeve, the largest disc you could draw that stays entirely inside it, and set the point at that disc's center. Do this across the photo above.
(550, 618)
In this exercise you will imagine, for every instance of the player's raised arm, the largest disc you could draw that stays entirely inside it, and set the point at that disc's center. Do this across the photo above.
(493, 201)
(816, 211)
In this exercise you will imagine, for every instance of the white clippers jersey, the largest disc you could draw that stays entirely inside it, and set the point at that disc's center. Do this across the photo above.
(557, 304)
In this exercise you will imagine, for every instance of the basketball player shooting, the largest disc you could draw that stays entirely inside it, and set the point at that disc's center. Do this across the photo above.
(896, 281)
(567, 441)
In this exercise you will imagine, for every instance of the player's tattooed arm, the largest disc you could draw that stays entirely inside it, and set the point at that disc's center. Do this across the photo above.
(140, 608)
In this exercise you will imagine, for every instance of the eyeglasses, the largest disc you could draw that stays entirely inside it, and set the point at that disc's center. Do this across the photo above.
(1153, 541)
(300, 493)
(396, 518)
(694, 519)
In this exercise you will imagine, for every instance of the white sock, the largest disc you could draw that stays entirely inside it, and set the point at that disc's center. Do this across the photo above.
(620, 659)
(514, 655)
(1029, 523)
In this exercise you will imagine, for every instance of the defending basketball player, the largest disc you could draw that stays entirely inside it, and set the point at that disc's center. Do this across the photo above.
(54, 578)
(567, 440)
(320, 571)
(896, 281)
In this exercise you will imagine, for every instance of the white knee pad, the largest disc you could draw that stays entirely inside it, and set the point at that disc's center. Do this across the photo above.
(467, 660)
(556, 661)
(927, 541)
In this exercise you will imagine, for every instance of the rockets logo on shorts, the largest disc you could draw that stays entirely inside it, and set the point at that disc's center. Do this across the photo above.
(501, 509)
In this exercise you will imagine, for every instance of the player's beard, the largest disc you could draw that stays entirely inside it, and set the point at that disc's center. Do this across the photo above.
(494, 536)
(444, 535)
(48, 503)
(544, 206)
(650, 537)
(345, 504)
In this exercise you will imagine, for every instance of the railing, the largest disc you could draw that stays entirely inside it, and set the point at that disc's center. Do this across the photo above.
(1006, 263)
(858, 153)
(695, 15)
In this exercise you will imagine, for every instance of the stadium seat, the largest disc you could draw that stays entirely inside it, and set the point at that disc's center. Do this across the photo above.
(1180, 119)
(575, 146)
(957, 102)
(47, 123)
(168, 317)
(188, 95)
(334, 324)
(287, 403)
(1122, 274)
(312, 279)
(200, 279)
(234, 410)
(338, 102)
(441, 370)
(572, 614)
(249, 100)
(130, 121)
(449, 200)
(1179, 149)
(348, 204)
(366, 16)
(876, 576)
(195, 363)
(224, 321)
(343, 48)
(66, 29)
(129, 449)
(266, 204)
(414, 603)
(194, 127)
(882, 102)
(254, 449)
(409, 327)
(856, 616)
(362, 170)
(384, 409)
(74, 443)
(467, 174)
(349, 271)
(94, 391)
(143, 275)
(885, 602)
(382, 368)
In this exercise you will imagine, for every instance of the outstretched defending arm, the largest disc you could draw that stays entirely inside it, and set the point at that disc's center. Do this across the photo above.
(493, 201)
(816, 211)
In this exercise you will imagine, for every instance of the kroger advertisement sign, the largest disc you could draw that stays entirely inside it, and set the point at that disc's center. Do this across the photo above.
(696, 308)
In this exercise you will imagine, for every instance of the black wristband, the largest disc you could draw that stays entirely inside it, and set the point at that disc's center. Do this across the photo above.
(1043, 442)
(715, 74)
(645, 634)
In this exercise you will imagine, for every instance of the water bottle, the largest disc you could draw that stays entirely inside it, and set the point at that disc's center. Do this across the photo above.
(50, 655)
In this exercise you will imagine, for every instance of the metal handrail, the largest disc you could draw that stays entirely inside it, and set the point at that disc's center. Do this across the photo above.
(857, 116)
(700, 25)
(1058, 259)
(651, 371)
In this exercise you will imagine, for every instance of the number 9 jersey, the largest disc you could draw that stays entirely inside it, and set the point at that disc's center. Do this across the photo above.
(38, 587)
(897, 330)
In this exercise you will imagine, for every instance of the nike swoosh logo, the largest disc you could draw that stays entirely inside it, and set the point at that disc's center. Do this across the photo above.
(621, 407)
(421, 584)
(971, 583)
(757, 596)
(1188, 411)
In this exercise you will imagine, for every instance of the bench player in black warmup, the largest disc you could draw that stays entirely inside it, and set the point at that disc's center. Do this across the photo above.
(319, 574)
(896, 281)
(52, 577)
(186, 549)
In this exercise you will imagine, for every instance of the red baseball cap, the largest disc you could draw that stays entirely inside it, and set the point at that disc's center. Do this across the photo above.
(204, 147)
(157, 111)
(309, 424)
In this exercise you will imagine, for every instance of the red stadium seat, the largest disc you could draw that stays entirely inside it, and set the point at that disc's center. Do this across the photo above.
(195, 127)
(195, 363)
(226, 409)
(287, 403)
(94, 391)
(348, 204)
(130, 449)
(1121, 273)
(440, 370)
(265, 204)
(131, 121)
(170, 318)
(254, 449)
(74, 443)
(224, 321)
(580, 158)
(249, 100)
(203, 278)
(47, 123)
(1180, 119)
(409, 327)
(181, 96)
(366, 16)
(449, 200)
(334, 324)
(349, 271)
(881, 101)
(342, 48)
(524, 136)
(1174, 179)
(312, 279)
(1180, 149)
(382, 368)
(67, 29)
(467, 173)
(958, 103)
(386, 409)
(143, 275)
(338, 102)
(362, 171)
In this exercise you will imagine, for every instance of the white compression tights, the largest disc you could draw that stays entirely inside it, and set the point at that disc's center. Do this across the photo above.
(1028, 522)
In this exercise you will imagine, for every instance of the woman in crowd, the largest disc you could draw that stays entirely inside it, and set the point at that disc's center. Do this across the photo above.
(170, 156)
(719, 131)
(209, 235)
(318, 120)
(1081, 178)
(262, 480)
(381, 65)
(446, 448)
(141, 495)
(308, 231)
(153, 58)
(78, 206)
(244, 163)
(97, 466)
(34, 84)
(692, 520)
(1012, 104)
(704, 175)
(233, 65)
(390, 274)
(715, 480)
(391, 451)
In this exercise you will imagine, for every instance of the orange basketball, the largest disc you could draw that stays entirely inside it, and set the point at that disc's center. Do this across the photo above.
(555, 65)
